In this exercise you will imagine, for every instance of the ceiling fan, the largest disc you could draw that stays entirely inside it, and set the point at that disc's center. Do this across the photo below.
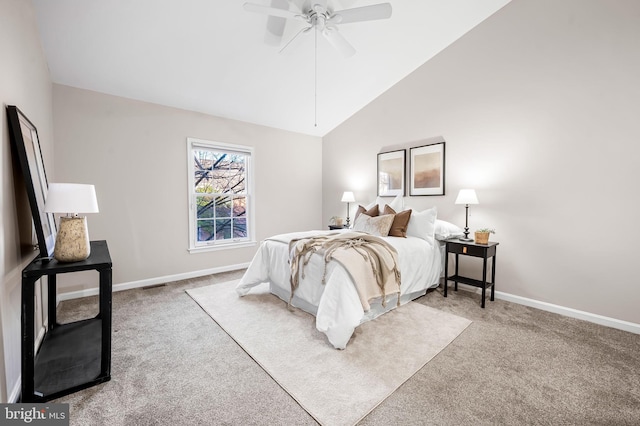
(325, 20)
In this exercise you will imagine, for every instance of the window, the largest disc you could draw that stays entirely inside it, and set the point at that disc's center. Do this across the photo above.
(220, 195)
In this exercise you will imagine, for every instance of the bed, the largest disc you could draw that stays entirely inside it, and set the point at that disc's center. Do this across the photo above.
(336, 304)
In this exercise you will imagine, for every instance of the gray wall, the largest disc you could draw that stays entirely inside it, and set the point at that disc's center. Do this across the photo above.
(135, 153)
(24, 82)
(539, 107)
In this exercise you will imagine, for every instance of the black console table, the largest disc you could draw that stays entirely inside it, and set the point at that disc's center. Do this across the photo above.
(72, 356)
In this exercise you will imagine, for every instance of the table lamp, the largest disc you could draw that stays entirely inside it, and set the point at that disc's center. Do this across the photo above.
(348, 197)
(72, 241)
(466, 197)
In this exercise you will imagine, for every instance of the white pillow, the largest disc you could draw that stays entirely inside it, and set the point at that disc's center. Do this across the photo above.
(422, 224)
(378, 225)
(397, 203)
(445, 230)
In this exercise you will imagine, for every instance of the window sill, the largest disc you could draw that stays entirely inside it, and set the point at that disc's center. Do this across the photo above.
(217, 247)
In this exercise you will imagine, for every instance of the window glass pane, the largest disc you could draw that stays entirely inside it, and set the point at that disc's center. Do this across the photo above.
(229, 174)
(205, 230)
(223, 206)
(203, 162)
(237, 166)
(239, 206)
(223, 229)
(204, 207)
(240, 228)
(221, 180)
(204, 182)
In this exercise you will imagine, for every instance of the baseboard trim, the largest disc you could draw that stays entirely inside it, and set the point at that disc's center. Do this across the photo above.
(549, 307)
(562, 310)
(152, 281)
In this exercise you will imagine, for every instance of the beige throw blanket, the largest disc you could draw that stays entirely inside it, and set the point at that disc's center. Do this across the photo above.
(370, 260)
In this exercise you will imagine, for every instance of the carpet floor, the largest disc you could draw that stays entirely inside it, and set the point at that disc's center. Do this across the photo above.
(514, 365)
(337, 387)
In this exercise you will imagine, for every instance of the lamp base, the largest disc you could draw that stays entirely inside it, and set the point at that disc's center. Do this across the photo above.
(72, 241)
(466, 238)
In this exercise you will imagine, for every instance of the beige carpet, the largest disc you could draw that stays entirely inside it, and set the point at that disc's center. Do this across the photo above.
(335, 387)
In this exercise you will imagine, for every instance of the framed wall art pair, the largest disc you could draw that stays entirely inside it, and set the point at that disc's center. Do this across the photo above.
(426, 167)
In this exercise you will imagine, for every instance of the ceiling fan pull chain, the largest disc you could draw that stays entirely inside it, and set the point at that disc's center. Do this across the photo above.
(315, 79)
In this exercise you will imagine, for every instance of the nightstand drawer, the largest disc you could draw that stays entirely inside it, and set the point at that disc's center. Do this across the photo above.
(469, 250)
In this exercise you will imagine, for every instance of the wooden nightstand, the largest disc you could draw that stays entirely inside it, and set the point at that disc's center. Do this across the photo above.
(484, 251)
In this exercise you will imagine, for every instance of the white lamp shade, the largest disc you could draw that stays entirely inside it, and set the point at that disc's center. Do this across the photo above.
(348, 197)
(467, 196)
(71, 198)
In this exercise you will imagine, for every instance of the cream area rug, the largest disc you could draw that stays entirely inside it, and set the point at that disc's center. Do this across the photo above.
(336, 387)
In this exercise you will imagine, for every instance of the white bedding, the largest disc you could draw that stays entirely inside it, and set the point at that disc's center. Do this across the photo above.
(336, 305)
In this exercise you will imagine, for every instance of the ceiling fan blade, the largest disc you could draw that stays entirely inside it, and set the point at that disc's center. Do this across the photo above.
(338, 41)
(272, 11)
(364, 13)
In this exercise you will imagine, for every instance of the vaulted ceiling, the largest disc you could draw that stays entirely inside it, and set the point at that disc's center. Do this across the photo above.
(213, 56)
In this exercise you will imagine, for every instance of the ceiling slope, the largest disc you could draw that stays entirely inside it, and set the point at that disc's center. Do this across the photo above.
(214, 57)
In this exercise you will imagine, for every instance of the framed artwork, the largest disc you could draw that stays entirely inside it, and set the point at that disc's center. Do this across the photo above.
(427, 169)
(24, 139)
(391, 173)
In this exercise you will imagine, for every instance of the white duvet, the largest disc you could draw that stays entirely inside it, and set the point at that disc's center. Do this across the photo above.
(335, 304)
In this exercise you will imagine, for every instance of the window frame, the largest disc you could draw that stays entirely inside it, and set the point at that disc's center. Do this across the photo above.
(232, 243)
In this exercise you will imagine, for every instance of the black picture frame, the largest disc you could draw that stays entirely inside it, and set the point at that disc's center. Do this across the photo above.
(427, 164)
(392, 173)
(26, 146)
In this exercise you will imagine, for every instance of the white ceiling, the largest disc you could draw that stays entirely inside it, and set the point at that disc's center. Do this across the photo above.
(212, 56)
